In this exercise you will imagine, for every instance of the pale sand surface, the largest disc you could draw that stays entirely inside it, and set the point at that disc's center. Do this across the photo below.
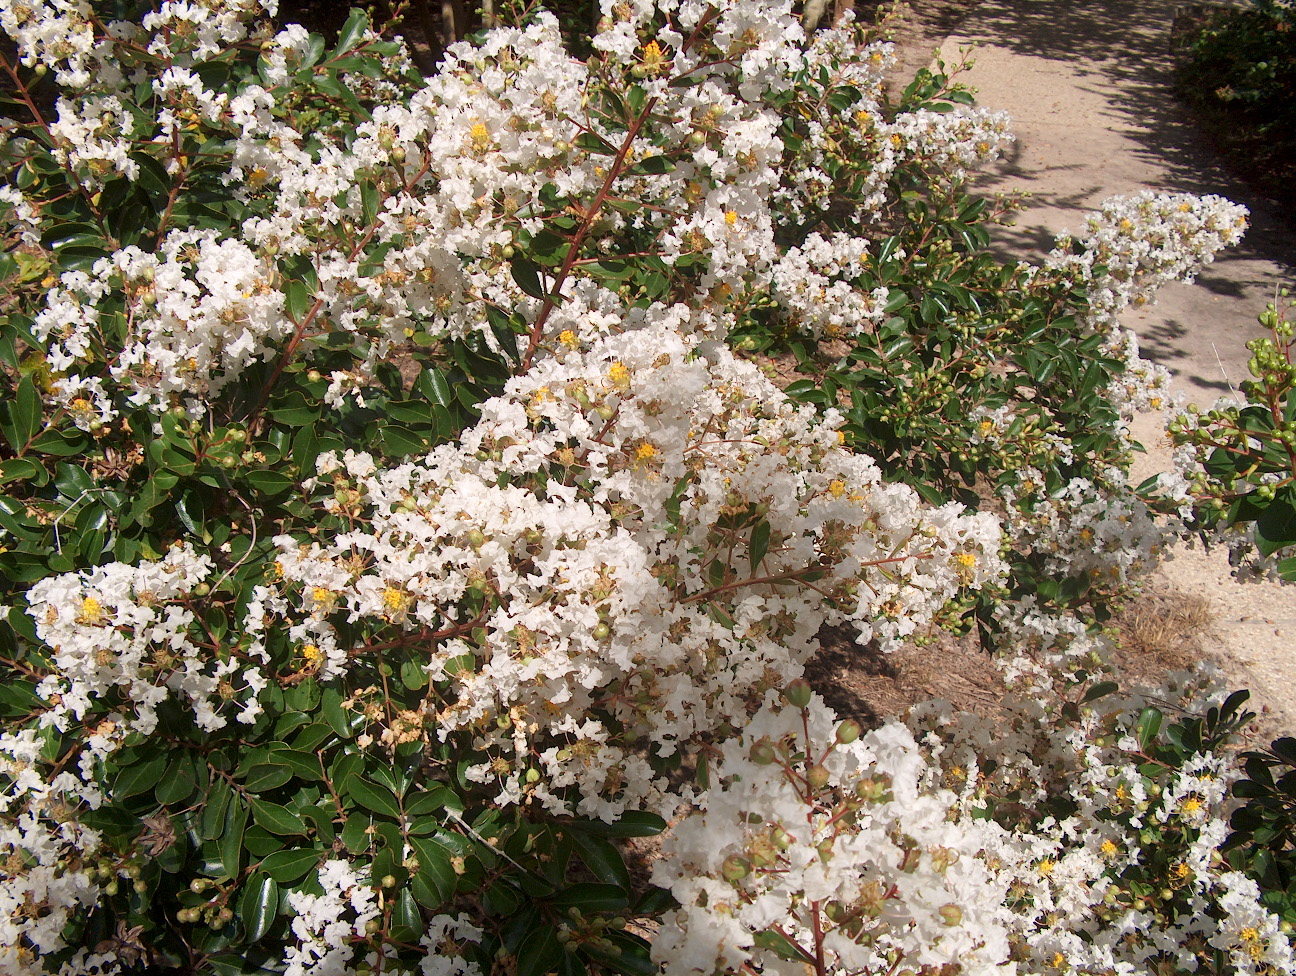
(1088, 88)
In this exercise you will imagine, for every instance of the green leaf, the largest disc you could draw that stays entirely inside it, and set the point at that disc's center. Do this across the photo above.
(25, 414)
(432, 384)
(289, 866)
(258, 906)
(527, 275)
(139, 778)
(400, 441)
(782, 946)
(760, 539)
(434, 883)
(297, 300)
(590, 896)
(1276, 526)
(539, 953)
(213, 815)
(352, 32)
(651, 166)
(406, 919)
(179, 781)
(373, 797)
(21, 469)
(602, 858)
(633, 823)
(337, 716)
(1100, 690)
(1149, 724)
(277, 819)
(231, 840)
(269, 482)
(264, 777)
(355, 832)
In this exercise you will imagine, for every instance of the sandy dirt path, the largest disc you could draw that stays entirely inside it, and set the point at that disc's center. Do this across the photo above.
(1088, 86)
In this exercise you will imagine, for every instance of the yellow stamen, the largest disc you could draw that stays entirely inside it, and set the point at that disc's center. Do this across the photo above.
(92, 613)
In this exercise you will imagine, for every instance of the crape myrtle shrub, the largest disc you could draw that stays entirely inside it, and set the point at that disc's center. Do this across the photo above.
(391, 522)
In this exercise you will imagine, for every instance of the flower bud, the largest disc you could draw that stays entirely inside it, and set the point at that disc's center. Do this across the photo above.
(950, 914)
(735, 868)
(817, 776)
(848, 731)
(798, 693)
(762, 753)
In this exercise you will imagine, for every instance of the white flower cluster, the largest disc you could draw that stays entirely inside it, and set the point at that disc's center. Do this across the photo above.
(1089, 527)
(1066, 871)
(656, 536)
(1134, 245)
(813, 284)
(326, 925)
(46, 878)
(1140, 385)
(409, 222)
(206, 307)
(943, 144)
(125, 630)
(836, 844)
(60, 34)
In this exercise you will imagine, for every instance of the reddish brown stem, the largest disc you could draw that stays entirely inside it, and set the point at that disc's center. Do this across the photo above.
(587, 221)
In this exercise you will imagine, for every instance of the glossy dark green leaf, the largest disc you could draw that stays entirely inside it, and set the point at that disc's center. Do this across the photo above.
(590, 897)
(760, 539)
(539, 953)
(602, 858)
(1100, 690)
(267, 776)
(277, 819)
(434, 882)
(179, 780)
(258, 906)
(269, 482)
(231, 839)
(527, 276)
(289, 866)
(373, 797)
(355, 833)
(139, 778)
(1149, 724)
(406, 919)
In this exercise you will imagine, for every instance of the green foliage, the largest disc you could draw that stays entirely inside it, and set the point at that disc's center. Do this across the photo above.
(1237, 68)
(1263, 842)
(1245, 452)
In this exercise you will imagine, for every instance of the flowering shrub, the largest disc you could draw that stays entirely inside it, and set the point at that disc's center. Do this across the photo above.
(393, 519)
(1235, 463)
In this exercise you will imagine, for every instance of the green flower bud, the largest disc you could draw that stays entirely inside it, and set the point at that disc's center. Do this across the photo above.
(762, 753)
(848, 731)
(735, 868)
(817, 776)
(798, 693)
